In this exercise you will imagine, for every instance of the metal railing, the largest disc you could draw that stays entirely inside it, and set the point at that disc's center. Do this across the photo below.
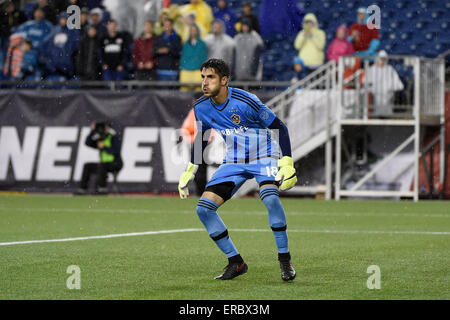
(135, 85)
(372, 91)
(352, 98)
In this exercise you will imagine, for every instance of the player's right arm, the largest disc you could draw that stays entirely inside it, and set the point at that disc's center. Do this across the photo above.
(197, 149)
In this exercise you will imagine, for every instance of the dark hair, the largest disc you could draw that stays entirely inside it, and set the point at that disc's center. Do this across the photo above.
(219, 66)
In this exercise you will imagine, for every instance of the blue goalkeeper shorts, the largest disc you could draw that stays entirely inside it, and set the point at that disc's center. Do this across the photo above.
(262, 170)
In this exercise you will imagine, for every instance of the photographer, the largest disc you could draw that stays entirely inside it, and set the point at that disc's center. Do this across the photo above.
(106, 140)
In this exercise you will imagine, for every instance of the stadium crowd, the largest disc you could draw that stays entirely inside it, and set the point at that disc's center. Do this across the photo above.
(37, 44)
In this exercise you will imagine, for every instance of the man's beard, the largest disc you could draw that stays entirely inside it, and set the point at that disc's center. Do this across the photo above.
(214, 93)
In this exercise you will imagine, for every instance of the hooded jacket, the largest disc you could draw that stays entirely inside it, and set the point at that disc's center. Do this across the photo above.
(220, 46)
(382, 82)
(58, 50)
(311, 47)
(203, 13)
(339, 47)
(194, 53)
(248, 54)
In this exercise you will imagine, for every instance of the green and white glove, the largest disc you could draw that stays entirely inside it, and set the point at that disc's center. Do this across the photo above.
(286, 173)
(186, 177)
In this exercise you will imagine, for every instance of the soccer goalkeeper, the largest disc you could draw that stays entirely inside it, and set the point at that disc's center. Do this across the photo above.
(244, 123)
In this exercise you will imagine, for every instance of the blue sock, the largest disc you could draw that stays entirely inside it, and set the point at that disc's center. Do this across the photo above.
(207, 212)
(277, 217)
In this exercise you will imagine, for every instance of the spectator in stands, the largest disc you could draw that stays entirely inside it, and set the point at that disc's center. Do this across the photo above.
(14, 56)
(220, 45)
(10, 17)
(114, 54)
(280, 17)
(203, 13)
(382, 81)
(310, 42)
(58, 51)
(365, 41)
(95, 19)
(50, 12)
(189, 21)
(84, 21)
(143, 57)
(195, 52)
(36, 30)
(159, 26)
(221, 12)
(168, 51)
(29, 66)
(299, 70)
(340, 46)
(248, 64)
(88, 59)
(178, 21)
(248, 14)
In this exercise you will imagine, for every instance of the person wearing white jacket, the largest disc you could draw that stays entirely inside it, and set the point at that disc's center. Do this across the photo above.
(249, 46)
(382, 81)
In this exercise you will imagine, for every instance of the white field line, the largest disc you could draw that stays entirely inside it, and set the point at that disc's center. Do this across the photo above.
(107, 236)
(133, 234)
(288, 212)
(354, 231)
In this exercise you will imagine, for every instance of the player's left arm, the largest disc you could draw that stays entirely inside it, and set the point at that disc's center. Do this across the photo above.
(286, 173)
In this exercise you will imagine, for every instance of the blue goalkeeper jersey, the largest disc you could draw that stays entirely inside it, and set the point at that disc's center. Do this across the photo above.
(243, 122)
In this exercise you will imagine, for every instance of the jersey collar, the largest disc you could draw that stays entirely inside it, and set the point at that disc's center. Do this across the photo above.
(222, 106)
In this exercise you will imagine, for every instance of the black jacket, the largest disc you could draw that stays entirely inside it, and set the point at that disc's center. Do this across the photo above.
(114, 149)
(171, 60)
(88, 58)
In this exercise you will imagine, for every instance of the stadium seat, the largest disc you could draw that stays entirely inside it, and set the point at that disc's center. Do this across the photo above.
(401, 5)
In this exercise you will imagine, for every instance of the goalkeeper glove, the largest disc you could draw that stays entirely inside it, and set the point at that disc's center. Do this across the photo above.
(186, 177)
(286, 173)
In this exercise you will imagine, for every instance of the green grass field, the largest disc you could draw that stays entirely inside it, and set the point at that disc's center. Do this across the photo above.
(332, 245)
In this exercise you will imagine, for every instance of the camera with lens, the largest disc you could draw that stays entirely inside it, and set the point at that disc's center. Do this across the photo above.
(100, 132)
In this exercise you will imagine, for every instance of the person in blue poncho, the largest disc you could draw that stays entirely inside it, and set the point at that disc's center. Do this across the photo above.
(58, 49)
(36, 30)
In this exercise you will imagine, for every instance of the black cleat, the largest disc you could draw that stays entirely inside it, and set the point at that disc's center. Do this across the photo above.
(232, 270)
(287, 269)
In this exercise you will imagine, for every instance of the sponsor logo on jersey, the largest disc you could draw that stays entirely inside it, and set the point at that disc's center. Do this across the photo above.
(227, 132)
